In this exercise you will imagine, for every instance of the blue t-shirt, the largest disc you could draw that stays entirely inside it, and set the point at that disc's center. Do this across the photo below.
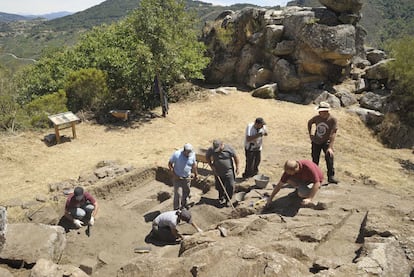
(182, 163)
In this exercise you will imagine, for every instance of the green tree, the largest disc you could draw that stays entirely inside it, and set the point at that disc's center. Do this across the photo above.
(402, 71)
(167, 28)
(86, 89)
(8, 105)
(159, 37)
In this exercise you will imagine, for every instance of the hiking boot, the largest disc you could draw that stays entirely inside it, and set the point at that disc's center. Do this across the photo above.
(222, 201)
(332, 180)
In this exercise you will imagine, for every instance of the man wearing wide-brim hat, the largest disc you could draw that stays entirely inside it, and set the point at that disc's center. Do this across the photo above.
(324, 138)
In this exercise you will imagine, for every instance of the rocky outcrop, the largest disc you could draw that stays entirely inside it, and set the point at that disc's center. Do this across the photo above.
(45, 241)
(298, 45)
(311, 54)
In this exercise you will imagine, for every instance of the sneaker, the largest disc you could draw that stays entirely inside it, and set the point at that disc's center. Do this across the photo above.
(332, 180)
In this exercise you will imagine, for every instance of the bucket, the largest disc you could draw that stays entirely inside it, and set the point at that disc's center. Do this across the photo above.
(261, 181)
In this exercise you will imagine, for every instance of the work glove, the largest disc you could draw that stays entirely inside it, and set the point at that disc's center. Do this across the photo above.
(91, 221)
(78, 223)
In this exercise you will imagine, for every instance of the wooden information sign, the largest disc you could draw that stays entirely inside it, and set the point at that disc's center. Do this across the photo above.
(63, 121)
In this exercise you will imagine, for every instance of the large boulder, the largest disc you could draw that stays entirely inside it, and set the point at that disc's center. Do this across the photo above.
(45, 268)
(343, 6)
(30, 241)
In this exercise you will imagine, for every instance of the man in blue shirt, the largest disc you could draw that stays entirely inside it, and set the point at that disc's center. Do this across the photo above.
(181, 163)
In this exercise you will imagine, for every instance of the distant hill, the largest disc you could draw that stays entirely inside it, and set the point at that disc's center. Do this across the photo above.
(8, 17)
(30, 38)
(27, 37)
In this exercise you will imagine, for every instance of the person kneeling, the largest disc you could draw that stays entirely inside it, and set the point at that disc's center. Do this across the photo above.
(81, 208)
(164, 226)
(304, 175)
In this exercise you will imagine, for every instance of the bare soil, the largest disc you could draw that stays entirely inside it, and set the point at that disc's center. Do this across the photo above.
(28, 165)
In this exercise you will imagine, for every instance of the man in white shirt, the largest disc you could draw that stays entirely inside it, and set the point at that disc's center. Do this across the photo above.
(253, 146)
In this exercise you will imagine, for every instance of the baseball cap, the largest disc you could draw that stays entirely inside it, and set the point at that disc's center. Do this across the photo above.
(323, 106)
(186, 216)
(188, 147)
(78, 191)
(217, 145)
(260, 120)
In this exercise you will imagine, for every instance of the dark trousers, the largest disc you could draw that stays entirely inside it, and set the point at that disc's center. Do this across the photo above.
(252, 163)
(316, 153)
(228, 182)
(162, 234)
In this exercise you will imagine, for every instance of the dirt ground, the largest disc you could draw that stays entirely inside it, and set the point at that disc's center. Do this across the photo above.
(28, 165)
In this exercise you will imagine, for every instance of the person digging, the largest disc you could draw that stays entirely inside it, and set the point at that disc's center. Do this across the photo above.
(164, 226)
(305, 176)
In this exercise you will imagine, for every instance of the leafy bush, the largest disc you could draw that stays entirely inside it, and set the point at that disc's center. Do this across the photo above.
(35, 114)
(8, 110)
(86, 89)
(402, 71)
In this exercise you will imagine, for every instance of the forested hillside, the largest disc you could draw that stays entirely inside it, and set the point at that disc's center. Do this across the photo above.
(382, 19)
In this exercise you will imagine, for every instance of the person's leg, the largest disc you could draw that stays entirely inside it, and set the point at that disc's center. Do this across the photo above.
(88, 208)
(229, 185)
(329, 164)
(256, 161)
(249, 164)
(219, 188)
(162, 234)
(316, 152)
(186, 192)
(78, 213)
(177, 194)
(304, 191)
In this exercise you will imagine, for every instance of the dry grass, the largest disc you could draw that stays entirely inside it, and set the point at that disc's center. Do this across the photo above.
(28, 166)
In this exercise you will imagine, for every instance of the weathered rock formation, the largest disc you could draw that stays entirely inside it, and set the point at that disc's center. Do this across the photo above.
(309, 55)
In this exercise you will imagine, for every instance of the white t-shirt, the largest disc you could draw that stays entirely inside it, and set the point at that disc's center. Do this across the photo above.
(255, 144)
(167, 219)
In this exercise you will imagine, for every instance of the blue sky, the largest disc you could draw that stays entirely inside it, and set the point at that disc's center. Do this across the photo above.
(49, 6)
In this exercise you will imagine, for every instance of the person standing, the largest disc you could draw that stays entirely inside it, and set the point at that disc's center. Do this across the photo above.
(224, 163)
(181, 163)
(304, 175)
(253, 141)
(324, 138)
(81, 208)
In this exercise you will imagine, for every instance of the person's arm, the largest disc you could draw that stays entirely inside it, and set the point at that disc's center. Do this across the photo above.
(210, 161)
(171, 168)
(331, 142)
(276, 189)
(310, 123)
(249, 137)
(195, 170)
(237, 163)
(196, 227)
(95, 211)
(68, 215)
(67, 210)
